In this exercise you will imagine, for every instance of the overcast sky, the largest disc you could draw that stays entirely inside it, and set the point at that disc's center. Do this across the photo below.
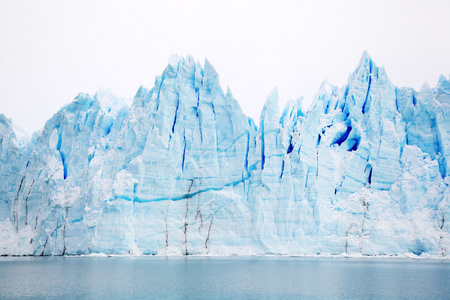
(52, 50)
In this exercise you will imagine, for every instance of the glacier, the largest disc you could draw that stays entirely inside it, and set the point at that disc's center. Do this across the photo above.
(181, 170)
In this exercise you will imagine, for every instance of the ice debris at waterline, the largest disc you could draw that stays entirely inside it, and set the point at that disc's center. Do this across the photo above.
(183, 171)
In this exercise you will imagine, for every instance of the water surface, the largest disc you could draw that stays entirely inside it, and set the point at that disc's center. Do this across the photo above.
(223, 278)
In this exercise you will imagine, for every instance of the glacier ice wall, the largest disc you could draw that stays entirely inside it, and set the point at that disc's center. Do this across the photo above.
(183, 171)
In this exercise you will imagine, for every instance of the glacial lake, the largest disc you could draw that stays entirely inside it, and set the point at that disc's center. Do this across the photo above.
(223, 278)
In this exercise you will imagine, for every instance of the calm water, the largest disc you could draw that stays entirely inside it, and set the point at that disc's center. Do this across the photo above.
(223, 278)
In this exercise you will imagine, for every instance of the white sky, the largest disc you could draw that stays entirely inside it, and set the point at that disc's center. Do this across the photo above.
(52, 50)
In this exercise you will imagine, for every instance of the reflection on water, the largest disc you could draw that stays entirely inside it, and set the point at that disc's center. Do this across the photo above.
(223, 278)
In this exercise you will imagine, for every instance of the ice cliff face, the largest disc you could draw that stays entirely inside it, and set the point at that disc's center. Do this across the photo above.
(183, 171)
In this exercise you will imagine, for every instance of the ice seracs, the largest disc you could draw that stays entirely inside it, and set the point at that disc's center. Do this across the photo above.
(181, 170)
